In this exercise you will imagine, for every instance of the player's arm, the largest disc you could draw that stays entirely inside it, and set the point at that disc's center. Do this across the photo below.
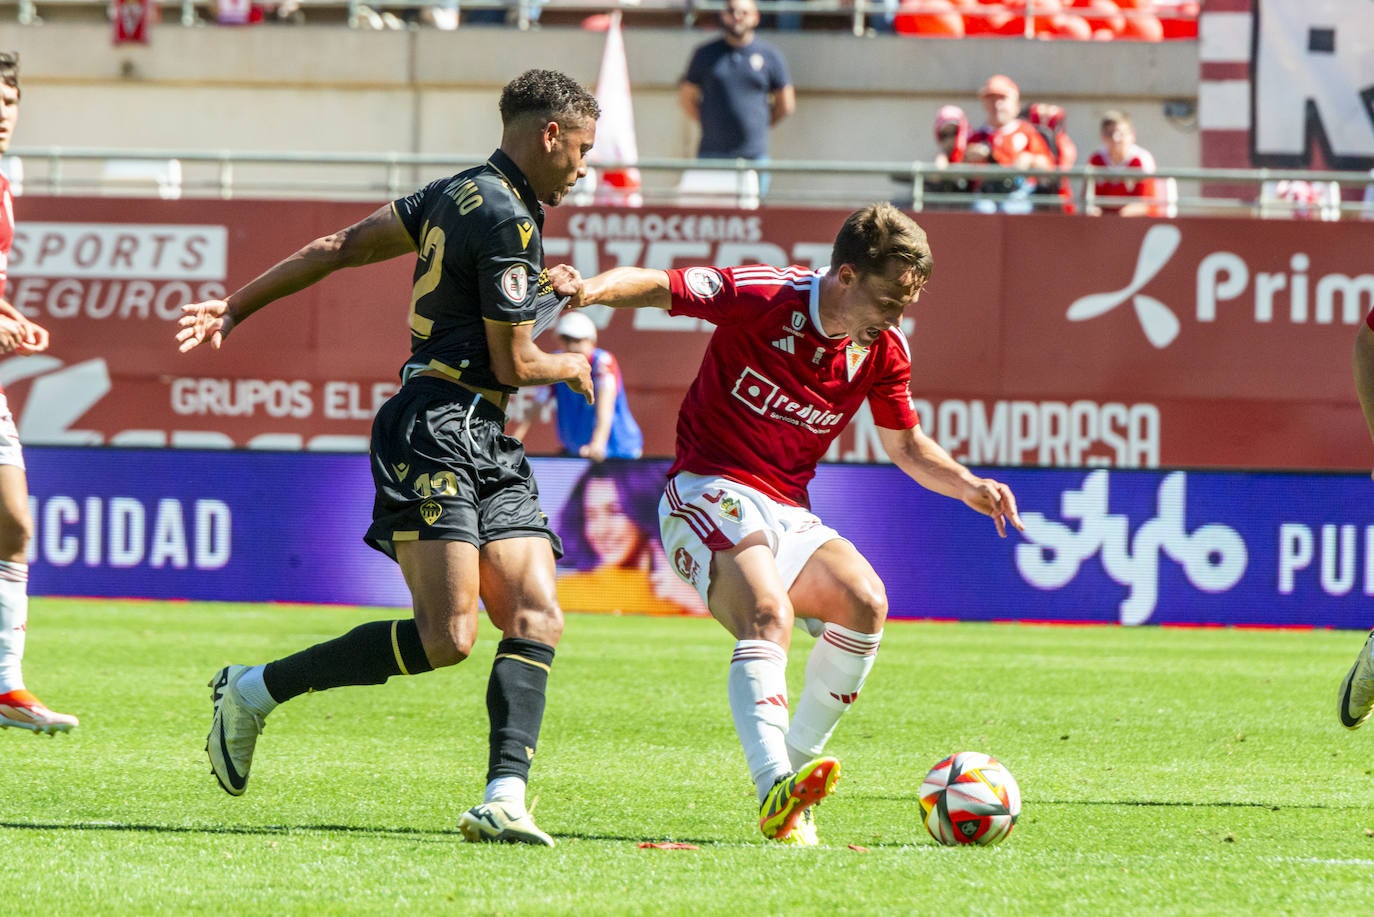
(517, 360)
(622, 288)
(927, 463)
(1364, 373)
(377, 237)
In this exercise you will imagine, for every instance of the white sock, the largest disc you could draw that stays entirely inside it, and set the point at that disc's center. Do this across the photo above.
(508, 790)
(835, 671)
(254, 692)
(758, 703)
(14, 622)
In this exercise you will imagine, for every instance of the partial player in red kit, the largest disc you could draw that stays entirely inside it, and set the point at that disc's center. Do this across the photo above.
(1355, 700)
(18, 336)
(795, 353)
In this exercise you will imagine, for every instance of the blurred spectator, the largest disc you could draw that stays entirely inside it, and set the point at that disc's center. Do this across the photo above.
(1012, 141)
(1052, 123)
(951, 139)
(1122, 196)
(614, 556)
(597, 431)
(737, 87)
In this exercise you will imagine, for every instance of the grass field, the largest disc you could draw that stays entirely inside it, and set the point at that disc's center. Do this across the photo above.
(1163, 772)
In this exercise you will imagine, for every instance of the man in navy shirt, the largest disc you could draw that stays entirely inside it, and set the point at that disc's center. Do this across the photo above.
(736, 88)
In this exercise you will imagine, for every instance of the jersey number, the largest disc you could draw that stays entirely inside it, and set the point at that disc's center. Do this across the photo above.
(432, 256)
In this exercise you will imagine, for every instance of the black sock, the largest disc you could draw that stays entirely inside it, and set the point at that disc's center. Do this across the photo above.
(368, 654)
(515, 705)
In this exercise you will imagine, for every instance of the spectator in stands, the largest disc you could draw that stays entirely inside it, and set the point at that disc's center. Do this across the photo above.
(951, 140)
(1012, 141)
(1122, 196)
(737, 87)
(18, 337)
(597, 431)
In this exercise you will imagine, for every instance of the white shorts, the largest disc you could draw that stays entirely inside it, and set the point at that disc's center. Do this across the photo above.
(10, 452)
(698, 516)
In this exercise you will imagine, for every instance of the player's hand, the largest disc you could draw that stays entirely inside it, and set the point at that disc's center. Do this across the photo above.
(35, 339)
(594, 451)
(12, 335)
(581, 382)
(567, 281)
(204, 321)
(995, 499)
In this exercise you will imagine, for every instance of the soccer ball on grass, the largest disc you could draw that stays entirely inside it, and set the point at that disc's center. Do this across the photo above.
(969, 798)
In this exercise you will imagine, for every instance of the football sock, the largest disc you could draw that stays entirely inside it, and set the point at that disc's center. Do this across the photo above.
(254, 693)
(369, 654)
(14, 622)
(515, 705)
(758, 702)
(508, 790)
(835, 671)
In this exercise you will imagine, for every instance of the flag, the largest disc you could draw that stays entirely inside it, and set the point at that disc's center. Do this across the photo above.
(131, 21)
(615, 133)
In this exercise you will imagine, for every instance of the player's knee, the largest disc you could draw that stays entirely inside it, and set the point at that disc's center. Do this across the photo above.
(770, 616)
(449, 643)
(542, 624)
(867, 602)
(15, 536)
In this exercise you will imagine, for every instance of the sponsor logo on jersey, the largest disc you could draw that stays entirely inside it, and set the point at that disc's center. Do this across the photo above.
(818, 356)
(854, 358)
(798, 322)
(686, 566)
(515, 283)
(703, 281)
(766, 398)
(786, 345)
(430, 512)
(526, 229)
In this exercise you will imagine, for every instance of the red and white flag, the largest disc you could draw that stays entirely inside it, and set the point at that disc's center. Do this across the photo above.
(131, 21)
(615, 132)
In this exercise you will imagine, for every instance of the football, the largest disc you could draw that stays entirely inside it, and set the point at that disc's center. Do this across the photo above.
(970, 798)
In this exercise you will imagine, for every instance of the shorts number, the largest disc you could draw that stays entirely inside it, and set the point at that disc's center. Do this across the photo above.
(439, 484)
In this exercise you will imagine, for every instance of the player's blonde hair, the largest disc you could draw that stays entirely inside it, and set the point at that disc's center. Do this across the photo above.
(872, 238)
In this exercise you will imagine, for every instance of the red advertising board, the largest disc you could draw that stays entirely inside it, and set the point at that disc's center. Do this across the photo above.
(1041, 340)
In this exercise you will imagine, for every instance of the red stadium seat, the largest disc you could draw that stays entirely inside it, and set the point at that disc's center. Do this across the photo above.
(1142, 26)
(929, 19)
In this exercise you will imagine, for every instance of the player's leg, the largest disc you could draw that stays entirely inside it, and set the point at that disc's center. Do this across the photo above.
(838, 585)
(442, 576)
(520, 597)
(18, 706)
(1357, 689)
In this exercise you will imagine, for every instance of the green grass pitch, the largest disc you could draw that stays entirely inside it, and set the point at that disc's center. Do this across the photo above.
(1163, 771)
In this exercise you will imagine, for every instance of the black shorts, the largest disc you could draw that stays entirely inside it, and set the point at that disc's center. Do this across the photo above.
(445, 471)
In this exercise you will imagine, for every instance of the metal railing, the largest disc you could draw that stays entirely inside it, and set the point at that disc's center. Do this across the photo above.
(229, 174)
(526, 14)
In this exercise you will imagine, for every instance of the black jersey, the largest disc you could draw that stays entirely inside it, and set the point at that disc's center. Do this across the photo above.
(481, 256)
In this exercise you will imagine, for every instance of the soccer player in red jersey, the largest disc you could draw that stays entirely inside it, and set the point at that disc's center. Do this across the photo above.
(794, 355)
(18, 336)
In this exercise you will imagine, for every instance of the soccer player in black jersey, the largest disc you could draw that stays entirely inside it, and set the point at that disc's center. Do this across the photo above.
(456, 504)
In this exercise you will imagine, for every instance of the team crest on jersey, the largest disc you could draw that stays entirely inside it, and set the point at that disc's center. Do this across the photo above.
(854, 357)
(515, 283)
(703, 281)
(430, 512)
(756, 61)
(730, 509)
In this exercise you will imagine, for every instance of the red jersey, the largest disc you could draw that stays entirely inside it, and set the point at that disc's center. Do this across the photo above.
(1113, 194)
(773, 391)
(6, 230)
(1011, 140)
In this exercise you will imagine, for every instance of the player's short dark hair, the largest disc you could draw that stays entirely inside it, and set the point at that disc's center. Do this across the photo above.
(877, 235)
(9, 69)
(549, 95)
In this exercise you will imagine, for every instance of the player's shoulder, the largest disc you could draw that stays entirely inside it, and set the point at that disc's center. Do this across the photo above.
(894, 343)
